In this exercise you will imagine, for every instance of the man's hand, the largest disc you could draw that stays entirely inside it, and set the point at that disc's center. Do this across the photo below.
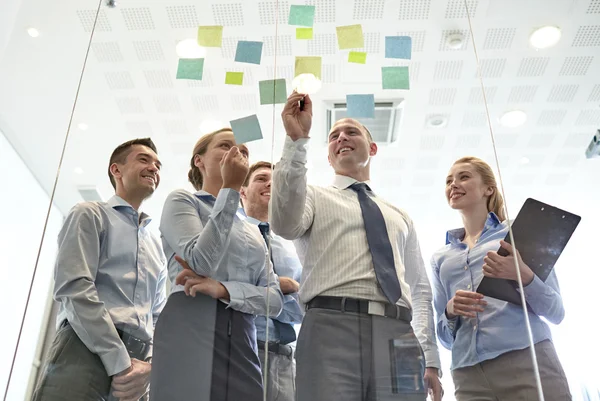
(288, 285)
(297, 122)
(497, 266)
(194, 283)
(132, 383)
(432, 382)
(465, 303)
(234, 169)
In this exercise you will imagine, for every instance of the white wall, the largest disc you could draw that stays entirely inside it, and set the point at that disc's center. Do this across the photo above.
(23, 208)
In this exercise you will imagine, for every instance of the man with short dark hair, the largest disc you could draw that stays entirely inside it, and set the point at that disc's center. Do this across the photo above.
(110, 279)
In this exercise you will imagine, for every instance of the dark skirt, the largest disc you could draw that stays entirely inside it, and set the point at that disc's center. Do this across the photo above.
(204, 352)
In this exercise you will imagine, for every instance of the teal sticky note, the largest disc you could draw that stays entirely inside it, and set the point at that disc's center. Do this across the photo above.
(395, 78)
(398, 47)
(248, 52)
(190, 68)
(272, 91)
(246, 129)
(302, 15)
(360, 106)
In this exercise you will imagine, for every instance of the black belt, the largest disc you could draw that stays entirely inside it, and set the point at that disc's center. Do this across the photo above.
(137, 348)
(359, 306)
(281, 349)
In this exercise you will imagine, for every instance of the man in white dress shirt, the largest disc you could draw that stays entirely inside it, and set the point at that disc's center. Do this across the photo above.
(363, 287)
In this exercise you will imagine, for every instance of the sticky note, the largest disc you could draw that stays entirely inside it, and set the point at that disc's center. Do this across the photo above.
(304, 33)
(246, 129)
(398, 47)
(190, 68)
(357, 57)
(210, 36)
(234, 78)
(302, 15)
(308, 65)
(248, 52)
(272, 91)
(360, 106)
(350, 37)
(395, 77)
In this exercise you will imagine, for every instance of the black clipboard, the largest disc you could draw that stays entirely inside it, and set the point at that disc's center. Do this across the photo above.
(541, 233)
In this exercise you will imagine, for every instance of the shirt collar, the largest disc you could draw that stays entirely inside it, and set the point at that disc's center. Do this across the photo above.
(118, 203)
(343, 181)
(456, 236)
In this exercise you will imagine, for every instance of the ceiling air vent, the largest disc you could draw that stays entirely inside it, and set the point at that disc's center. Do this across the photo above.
(384, 128)
(90, 194)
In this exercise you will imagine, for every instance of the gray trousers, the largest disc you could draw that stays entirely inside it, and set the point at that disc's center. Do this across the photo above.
(509, 377)
(343, 356)
(281, 380)
(72, 372)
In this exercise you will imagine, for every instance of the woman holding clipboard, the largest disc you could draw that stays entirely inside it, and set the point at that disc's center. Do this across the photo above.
(491, 359)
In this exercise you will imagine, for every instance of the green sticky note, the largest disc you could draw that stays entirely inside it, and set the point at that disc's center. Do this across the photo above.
(190, 68)
(395, 77)
(357, 57)
(210, 36)
(246, 129)
(302, 15)
(234, 78)
(308, 65)
(304, 33)
(272, 91)
(350, 37)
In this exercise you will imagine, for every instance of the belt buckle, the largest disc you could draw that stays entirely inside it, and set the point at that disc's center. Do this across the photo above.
(376, 308)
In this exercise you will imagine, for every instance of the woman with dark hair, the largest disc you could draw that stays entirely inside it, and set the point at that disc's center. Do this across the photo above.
(491, 359)
(205, 339)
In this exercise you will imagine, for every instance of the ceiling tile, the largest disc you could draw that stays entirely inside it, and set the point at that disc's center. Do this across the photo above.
(492, 67)
(421, 180)
(231, 14)
(325, 11)
(476, 95)
(429, 117)
(535, 160)
(167, 104)
(579, 140)
(499, 38)
(107, 52)
(267, 14)
(587, 36)
(568, 159)
(588, 117)
(182, 16)
(284, 46)
(205, 82)
(87, 17)
(418, 39)
(594, 7)
(283, 71)
(595, 93)
(138, 18)
(432, 142)
(205, 103)
(428, 162)
(456, 8)
(474, 119)
(329, 76)
(368, 9)
(558, 179)
(442, 96)
(229, 46)
(139, 129)
(506, 141)
(522, 94)
(160, 79)
(541, 141)
(448, 70)
(533, 66)
(414, 9)
(551, 118)
(148, 50)
(372, 42)
(244, 102)
(322, 45)
(470, 141)
(130, 105)
(576, 66)
(562, 93)
(444, 47)
(176, 127)
(524, 179)
(119, 80)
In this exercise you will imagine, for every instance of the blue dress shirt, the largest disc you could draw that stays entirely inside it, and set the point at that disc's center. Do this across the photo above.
(209, 235)
(110, 272)
(286, 264)
(501, 327)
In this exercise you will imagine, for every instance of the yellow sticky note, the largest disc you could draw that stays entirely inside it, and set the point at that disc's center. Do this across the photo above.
(308, 65)
(350, 37)
(304, 33)
(357, 57)
(234, 78)
(210, 36)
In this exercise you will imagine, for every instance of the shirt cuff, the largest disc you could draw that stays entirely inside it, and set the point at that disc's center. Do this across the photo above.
(452, 324)
(432, 360)
(295, 150)
(236, 295)
(537, 286)
(228, 200)
(116, 360)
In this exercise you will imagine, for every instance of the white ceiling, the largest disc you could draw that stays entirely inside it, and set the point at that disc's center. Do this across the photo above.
(129, 89)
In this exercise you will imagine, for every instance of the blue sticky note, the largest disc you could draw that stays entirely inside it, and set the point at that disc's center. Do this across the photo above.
(395, 78)
(248, 52)
(246, 129)
(398, 47)
(302, 15)
(360, 106)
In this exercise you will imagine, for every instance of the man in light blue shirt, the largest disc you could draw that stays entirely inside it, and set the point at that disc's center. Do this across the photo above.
(255, 195)
(110, 279)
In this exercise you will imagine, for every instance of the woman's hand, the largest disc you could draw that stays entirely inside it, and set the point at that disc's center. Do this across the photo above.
(194, 283)
(465, 303)
(497, 266)
(234, 169)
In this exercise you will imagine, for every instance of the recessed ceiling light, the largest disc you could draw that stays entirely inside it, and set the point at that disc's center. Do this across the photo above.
(455, 40)
(307, 84)
(513, 118)
(189, 48)
(207, 126)
(78, 170)
(34, 33)
(437, 122)
(82, 126)
(524, 160)
(545, 37)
